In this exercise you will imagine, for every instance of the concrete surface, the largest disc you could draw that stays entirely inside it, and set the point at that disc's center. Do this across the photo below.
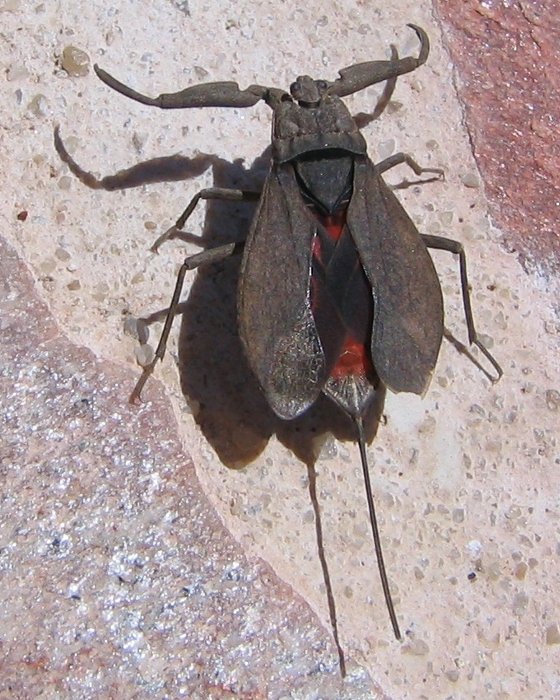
(171, 550)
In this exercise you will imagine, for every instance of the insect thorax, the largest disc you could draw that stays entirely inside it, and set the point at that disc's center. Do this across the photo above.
(329, 125)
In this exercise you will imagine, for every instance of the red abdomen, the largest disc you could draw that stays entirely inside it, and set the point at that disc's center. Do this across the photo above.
(341, 299)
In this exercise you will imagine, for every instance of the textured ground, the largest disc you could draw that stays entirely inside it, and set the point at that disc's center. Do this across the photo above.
(171, 550)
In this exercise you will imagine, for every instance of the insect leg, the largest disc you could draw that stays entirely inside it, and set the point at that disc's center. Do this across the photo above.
(441, 243)
(398, 158)
(191, 263)
(221, 94)
(362, 75)
(362, 119)
(222, 193)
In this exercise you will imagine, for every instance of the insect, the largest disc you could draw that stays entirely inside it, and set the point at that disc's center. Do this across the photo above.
(337, 293)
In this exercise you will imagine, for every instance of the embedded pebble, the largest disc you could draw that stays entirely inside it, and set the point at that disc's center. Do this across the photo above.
(552, 634)
(62, 254)
(394, 106)
(75, 62)
(552, 399)
(470, 180)
(139, 140)
(65, 183)
(16, 72)
(38, 106)
(416, 647)
(446, 218)
(10, 6)
(474, 548)
(458, 515)
(137, 278)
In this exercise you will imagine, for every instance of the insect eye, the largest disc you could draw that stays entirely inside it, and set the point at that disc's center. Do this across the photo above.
(295, 90)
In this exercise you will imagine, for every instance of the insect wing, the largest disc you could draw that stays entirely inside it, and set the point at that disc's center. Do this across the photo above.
(408, 304)
(275, 319)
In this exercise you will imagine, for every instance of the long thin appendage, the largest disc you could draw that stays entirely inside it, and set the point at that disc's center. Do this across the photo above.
(451, 246)
(398, 158)
(363, 118)
(375, 530)
(191, 263)
(216, 193)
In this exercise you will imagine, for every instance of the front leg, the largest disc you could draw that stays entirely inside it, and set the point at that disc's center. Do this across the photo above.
(362, 119)
(221, 94)
(362, 75)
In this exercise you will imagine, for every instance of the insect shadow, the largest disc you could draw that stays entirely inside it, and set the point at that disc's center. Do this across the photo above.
(224, 395)
(228, 403)
(222, 392)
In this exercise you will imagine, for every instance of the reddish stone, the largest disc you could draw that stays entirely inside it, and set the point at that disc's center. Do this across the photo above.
(507, 58)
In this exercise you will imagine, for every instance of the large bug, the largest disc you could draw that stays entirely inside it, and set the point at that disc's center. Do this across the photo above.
(337, 292)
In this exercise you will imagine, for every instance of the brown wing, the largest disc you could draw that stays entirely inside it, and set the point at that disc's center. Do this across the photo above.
(408, 304)
(275, 320)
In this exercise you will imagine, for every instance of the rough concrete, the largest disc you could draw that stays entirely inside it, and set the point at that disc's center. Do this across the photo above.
(466, 478)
